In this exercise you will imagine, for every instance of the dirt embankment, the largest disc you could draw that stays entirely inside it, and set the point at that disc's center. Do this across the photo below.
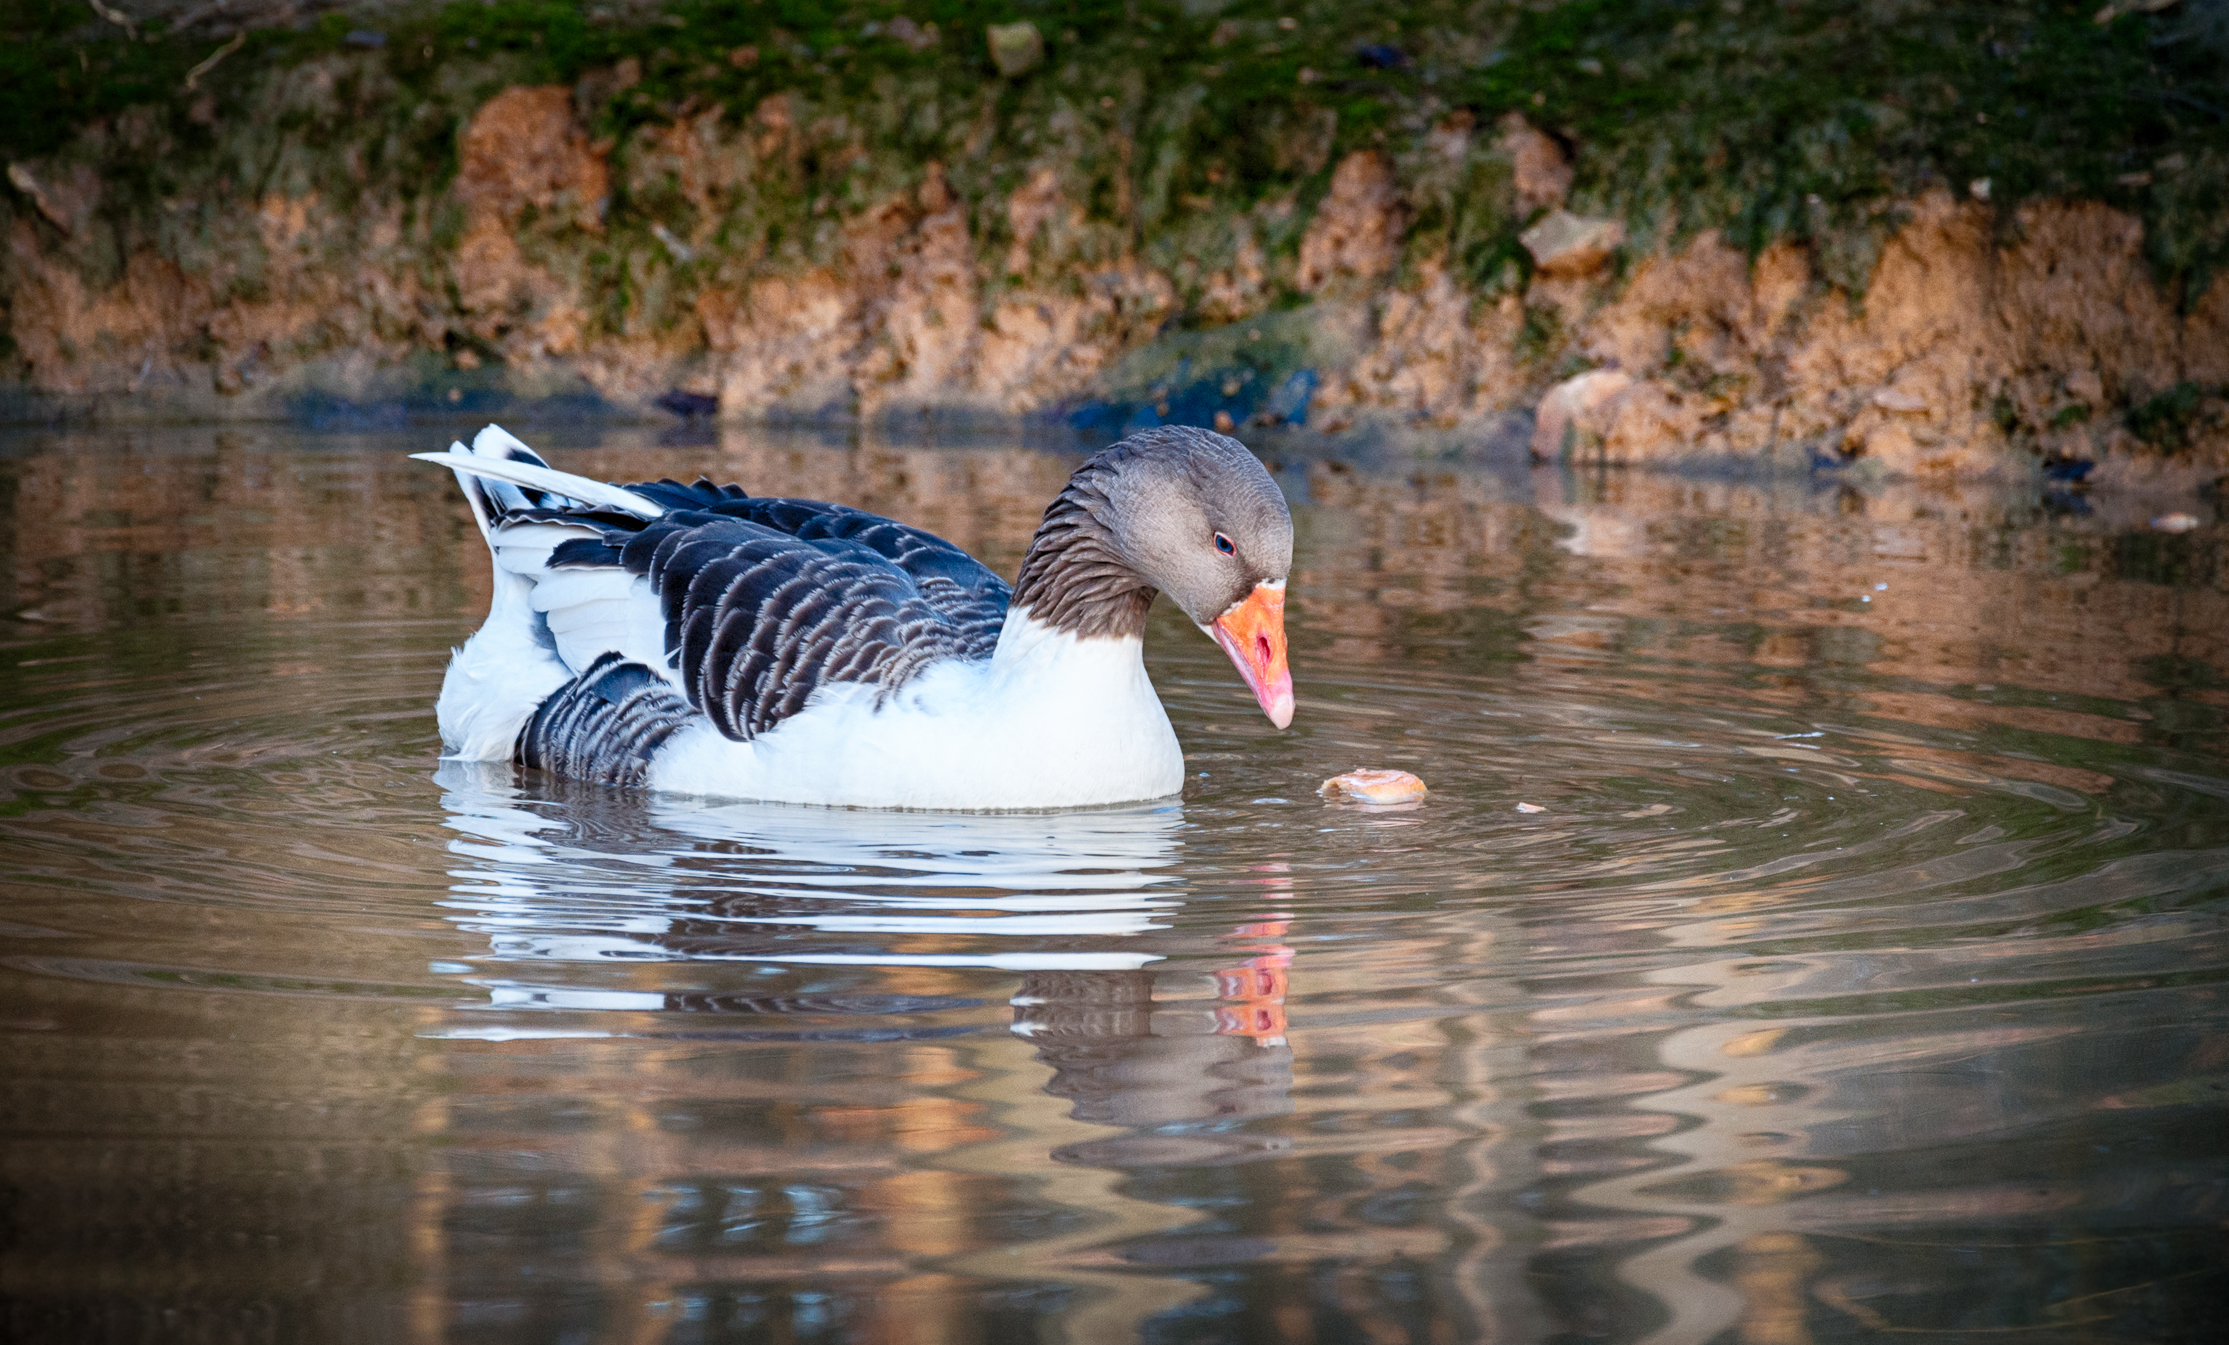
(1983, 340)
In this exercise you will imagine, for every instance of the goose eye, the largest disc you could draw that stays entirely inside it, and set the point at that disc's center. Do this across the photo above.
(1224, 545)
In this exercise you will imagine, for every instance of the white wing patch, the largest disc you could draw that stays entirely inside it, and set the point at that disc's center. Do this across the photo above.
(594, 612)
(590, 610)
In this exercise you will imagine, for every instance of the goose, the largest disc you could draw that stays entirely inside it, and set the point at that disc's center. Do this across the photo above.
(698, 640)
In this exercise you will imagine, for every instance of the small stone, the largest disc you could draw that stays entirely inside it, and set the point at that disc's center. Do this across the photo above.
(1223, 422)
(1980, 188)
(2177, 522)
(1016, 48)
(1564, 244)
(1372, 787)
(1530, 808)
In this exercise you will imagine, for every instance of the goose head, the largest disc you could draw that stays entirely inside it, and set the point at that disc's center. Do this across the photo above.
(1175, 510)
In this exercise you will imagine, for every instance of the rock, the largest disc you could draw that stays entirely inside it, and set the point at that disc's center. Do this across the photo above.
(1643, 423)
(1530, 808)
(1357, 229)
(1016, 48)
(1565, 244)
(1539, 170)
(1891, 445)
(524, 151)
(523, 148)
(2177, 522)
(1566, 402)
(1379, 787)
(64, 201)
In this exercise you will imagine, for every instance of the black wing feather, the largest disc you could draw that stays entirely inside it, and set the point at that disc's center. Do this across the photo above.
(768, 600)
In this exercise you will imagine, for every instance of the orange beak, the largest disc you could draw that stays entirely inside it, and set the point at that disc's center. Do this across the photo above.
(1253, 634)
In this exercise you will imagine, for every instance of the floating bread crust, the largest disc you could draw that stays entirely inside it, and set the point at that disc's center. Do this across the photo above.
(1373, 787)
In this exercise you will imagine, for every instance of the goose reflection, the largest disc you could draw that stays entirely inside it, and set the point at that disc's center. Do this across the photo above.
(563, 874)
(576, 888)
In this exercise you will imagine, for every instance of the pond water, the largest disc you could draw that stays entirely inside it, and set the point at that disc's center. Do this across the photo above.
(1815, 932)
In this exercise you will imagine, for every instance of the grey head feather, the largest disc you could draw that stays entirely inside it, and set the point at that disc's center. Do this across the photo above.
(1143, 517)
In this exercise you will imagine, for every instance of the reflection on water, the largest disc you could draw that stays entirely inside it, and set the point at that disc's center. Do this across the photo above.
(733, 881)
(1861, 978)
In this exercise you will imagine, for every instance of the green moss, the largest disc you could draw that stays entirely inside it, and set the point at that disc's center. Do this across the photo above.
(1541, 337)
(2168, 420)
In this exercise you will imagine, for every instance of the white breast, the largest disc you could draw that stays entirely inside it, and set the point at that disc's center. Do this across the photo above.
(1050, 721)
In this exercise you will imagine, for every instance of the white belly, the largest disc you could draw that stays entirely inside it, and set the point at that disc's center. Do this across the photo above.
(1049, 722)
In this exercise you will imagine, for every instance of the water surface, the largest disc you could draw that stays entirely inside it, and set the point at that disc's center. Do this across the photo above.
(1815, 932)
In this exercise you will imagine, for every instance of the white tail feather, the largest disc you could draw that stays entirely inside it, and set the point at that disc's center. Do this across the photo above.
(546, 478)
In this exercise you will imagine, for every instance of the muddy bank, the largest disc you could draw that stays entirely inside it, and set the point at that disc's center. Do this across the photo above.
(342, 238)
